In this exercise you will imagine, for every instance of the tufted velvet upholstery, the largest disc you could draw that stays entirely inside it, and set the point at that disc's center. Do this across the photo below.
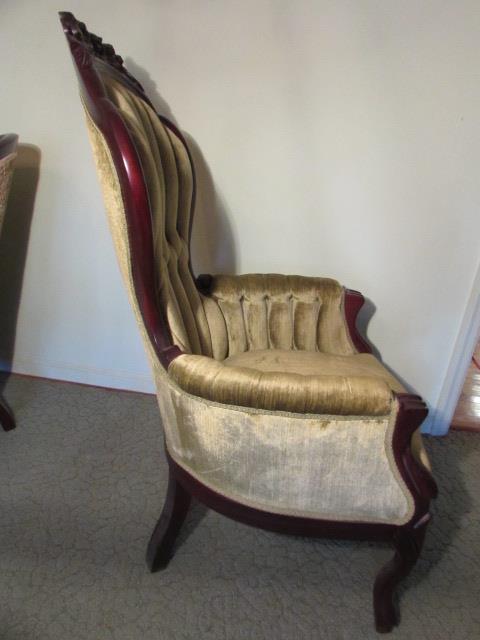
(169, 178)
(254, 311)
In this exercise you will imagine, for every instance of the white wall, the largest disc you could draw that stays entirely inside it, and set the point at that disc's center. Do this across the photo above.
(343, 139)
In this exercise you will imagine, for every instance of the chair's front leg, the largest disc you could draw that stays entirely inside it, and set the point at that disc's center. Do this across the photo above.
(408, 539)
(175, 509)
(407, 542)
(6, 417)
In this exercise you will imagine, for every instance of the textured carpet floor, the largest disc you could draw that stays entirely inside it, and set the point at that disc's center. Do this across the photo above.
(82, 481)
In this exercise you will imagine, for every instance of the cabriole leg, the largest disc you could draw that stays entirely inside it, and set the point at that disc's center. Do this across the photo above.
(175, 509)
(408, 544)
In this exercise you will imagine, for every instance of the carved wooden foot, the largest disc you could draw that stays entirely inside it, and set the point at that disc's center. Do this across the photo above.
(6, 417)
(175, 509)
(408, 544)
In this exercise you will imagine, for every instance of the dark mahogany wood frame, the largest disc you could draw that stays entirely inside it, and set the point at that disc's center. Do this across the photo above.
(92, 58)
(8, 145)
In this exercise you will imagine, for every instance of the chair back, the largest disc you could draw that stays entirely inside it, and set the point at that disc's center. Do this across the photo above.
(148, 183)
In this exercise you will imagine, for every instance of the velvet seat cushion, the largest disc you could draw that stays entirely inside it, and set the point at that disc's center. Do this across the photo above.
(287, 380)
(314, 363)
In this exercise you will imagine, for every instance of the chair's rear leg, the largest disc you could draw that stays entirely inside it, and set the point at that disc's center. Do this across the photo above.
(408, 544)
(175, 509)
(6, 417)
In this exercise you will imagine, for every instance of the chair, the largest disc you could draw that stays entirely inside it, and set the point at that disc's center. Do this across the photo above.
(275, 412)
(8, 153)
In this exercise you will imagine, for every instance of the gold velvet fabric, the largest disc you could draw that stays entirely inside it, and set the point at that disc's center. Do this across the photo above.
(6, 173)
(315, 363)
(323, 466)
(255, 312)
(169, 179)
(342, 392)
(270, 405)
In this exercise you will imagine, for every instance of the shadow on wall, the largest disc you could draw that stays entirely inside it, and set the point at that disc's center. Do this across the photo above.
(363, 320)
(14, 244)
(364, 317)
(212, 244)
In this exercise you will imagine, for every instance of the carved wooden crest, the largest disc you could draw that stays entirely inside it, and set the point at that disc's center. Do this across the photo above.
(85, 45)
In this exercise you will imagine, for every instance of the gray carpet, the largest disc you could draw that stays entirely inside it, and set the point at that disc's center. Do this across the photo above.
(82, 481)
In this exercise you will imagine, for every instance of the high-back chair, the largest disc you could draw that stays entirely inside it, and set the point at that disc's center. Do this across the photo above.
(8, 153)
(275, 412)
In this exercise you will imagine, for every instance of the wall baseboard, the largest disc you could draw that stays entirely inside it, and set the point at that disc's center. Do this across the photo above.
(109, 378)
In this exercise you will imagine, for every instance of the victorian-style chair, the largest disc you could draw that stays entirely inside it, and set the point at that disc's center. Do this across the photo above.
(275, 412)
(8, 153)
